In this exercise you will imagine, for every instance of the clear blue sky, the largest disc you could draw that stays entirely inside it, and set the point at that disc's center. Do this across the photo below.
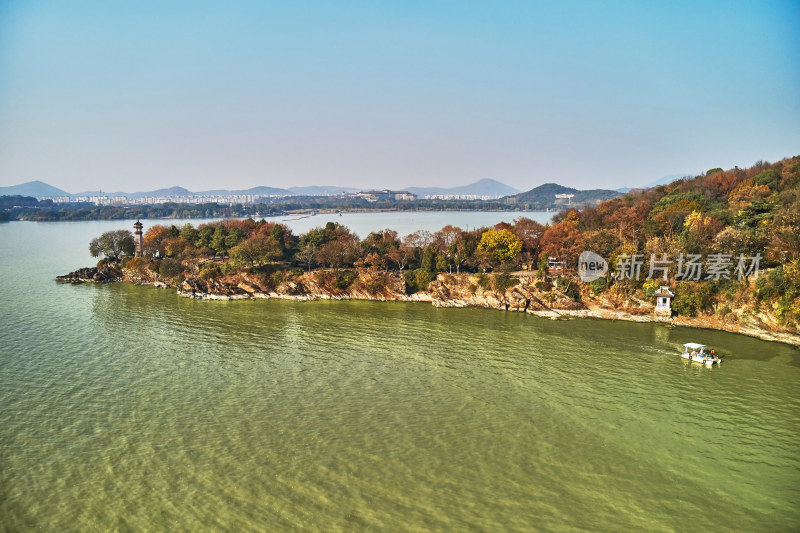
(140, 95)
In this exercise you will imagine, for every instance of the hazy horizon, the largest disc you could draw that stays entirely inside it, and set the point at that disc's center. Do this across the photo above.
(153, 95)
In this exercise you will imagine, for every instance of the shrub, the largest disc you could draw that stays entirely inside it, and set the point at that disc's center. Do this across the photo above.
(777, 283)
(296, 272)
(344, 279)
(484, 282)
(376, 284)
(324, 278)
(691, 298)
(505, 268)
(650, 287)
(417, 280)
(503, 282)
(139, 266)
(209, 271)
(598, 285)
(277, 277)
(573, 291)
(170, 268)
(788, 312)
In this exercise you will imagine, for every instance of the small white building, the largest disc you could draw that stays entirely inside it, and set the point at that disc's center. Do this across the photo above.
(664, 298)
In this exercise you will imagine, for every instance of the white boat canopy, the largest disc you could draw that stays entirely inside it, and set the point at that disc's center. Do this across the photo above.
(693, 346)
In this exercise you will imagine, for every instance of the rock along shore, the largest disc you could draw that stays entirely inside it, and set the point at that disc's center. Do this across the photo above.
(447, 290)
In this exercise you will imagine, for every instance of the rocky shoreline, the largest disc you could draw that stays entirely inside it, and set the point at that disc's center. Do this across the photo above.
(93, 274)
(447, 290)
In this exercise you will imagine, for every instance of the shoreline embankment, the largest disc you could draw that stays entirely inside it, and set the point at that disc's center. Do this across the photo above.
(523, 293)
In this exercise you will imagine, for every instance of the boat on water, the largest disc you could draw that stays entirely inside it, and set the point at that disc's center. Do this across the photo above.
(698, 353)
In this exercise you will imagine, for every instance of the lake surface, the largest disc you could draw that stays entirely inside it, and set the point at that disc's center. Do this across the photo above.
(405, 222)
(126, 408)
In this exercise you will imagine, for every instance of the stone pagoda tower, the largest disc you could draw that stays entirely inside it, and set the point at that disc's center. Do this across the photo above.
(137, 237)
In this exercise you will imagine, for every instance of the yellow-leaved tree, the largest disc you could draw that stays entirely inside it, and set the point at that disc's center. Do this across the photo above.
(501, 243)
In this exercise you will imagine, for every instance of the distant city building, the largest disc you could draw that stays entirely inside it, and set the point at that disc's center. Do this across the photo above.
(384, 195)
(206, 199)
(99, 199)
(458, 197)
(567, 197)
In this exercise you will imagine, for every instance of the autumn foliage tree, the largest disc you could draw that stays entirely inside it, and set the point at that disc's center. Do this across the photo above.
(154, 240)
(563, 241)
(502, 244)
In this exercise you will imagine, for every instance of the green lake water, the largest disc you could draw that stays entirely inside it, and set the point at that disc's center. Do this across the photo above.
(128, 408)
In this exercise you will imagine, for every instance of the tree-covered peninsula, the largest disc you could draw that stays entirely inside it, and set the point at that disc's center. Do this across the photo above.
(726, 244)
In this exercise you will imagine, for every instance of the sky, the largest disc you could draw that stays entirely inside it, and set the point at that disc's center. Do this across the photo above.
(134, 96)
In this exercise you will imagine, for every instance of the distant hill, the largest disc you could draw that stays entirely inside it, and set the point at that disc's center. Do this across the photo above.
(484, 187)
(327, 190)
(37, 189)
(171, 191)
(545, 196)
(99, 193)
(666, 180)
(257, 191)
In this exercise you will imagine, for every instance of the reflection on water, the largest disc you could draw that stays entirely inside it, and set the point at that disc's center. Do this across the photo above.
(128, 407)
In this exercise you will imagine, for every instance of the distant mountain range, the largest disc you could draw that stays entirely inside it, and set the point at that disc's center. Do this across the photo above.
(544, 195)
(665, 180)
(484, 187)
(180, 191)
(315, 190)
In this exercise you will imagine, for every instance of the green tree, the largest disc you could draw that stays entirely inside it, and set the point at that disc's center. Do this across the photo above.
(442, 263)
(189, 233)
(543, 266)
(204, 236)
(771, 178)
(428, 261)
(234, 237)
(218, 240)
(278, 234)
(113, 244)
